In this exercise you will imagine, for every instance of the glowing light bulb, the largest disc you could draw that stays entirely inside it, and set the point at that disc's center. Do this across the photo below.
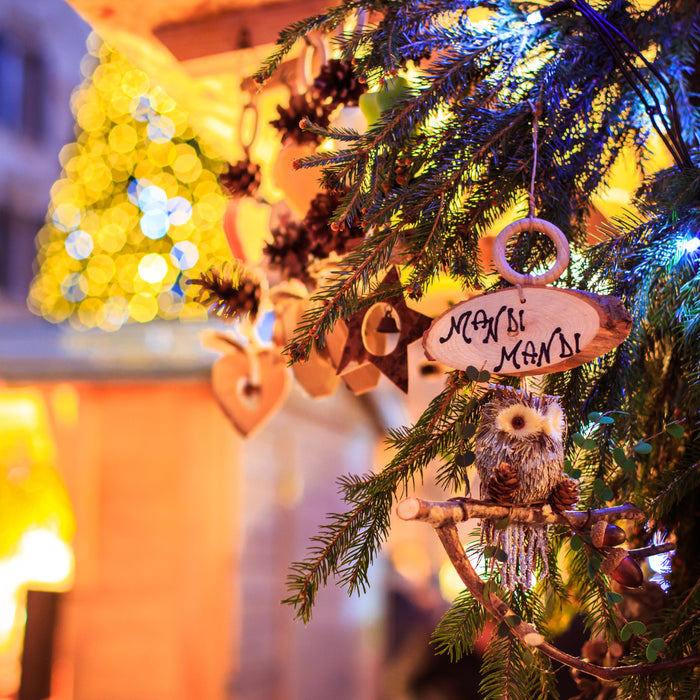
(689, 245)
(153, 268)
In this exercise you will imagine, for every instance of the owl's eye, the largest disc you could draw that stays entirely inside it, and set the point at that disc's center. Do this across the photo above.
(517, 422)
(520, 421)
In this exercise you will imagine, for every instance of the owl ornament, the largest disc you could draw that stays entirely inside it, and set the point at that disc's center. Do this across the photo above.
(519, 456)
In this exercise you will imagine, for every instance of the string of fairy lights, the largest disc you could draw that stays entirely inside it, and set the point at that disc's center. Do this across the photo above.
(136, 212)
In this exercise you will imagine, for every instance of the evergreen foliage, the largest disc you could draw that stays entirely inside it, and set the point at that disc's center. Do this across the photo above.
(465, 121)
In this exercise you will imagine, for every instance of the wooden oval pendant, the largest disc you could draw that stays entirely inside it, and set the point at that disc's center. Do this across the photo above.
(526, 332)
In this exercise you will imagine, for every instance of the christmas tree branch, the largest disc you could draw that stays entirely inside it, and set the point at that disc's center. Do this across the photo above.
(526, 632)
(317, 320)
(651, 550)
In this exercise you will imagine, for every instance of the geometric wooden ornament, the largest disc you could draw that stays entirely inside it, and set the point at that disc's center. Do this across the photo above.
(394, 364)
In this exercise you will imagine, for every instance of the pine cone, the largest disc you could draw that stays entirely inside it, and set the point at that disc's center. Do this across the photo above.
(289, 249)
(564, 495)
(324, 238)
(401, 174)
(231, 292)
(337, 84)
(503, 484)
(301, 108)
(242, 179)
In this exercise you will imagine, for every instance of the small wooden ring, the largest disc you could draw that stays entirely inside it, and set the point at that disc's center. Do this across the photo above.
(247, 140)
(509, 274)
(315, 50)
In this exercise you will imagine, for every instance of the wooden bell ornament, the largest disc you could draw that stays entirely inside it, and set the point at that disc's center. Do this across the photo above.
(530, 328)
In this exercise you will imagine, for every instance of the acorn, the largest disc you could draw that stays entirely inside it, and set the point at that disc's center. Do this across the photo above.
(628, 573)
(605, 535)
(613, 536)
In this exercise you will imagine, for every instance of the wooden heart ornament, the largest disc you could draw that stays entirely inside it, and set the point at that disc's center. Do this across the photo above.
(250, 385)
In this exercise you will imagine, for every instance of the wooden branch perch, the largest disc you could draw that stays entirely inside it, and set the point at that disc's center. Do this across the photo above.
(439, 513)
(526, 632)
(444, 516)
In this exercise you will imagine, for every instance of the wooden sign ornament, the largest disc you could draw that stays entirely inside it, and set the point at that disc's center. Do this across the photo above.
(530, 328)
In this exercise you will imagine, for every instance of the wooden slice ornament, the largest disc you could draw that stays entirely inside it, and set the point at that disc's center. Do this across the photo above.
(530, 328)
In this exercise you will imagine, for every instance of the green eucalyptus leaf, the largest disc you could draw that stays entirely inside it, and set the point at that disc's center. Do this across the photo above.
(606, 420)
(512, 620)
(619, 455)
(465, 458)
(614, 597)
(628, 466)
(489, 551)
(637, 627)
(502, 523)
(642, 448)
(652, 654)
(502, 630)
(625, 633)
(589, 444)
(472, 373)
(576, 543)
(484, 376)
(607, 494)
(657, 643)
(575, 473)
(675, 430)
(594, 416)
(578, 439)
(598, 487)
(500, 555)
(468, 430)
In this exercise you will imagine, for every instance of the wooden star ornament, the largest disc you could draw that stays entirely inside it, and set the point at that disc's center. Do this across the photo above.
(412, 325)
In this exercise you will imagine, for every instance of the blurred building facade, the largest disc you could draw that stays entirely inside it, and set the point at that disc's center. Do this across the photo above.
(183, 530)
(41, 46)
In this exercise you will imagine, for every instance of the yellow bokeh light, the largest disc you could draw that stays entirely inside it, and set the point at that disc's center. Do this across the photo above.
(90, 117)
(143, 307)
(66, 216)
(412, 561)
(153, 268)
(188, 167)
(135, 82)
(450, 583)
(123, 138)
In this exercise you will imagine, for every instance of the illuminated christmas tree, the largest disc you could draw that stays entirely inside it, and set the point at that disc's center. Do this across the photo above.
(137, 210)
